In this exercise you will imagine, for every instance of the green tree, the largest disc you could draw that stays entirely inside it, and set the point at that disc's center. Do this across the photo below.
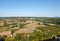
(21, 25)
(19, 37)
(12, 31)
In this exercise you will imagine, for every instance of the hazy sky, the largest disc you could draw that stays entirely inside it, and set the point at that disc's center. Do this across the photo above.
(38, 8)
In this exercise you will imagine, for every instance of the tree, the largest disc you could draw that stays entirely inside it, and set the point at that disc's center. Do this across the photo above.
(21, 25)
(19, 37)
(12, 31)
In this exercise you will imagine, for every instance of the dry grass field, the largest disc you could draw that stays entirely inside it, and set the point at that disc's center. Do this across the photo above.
(32, 28)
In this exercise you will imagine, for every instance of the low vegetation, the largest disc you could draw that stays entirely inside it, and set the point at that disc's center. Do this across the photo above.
(42, 29)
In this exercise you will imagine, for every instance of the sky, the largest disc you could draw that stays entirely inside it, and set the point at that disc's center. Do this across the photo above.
(30, 8)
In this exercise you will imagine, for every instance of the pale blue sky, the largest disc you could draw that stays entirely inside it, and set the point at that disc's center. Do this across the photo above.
(37, 8)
